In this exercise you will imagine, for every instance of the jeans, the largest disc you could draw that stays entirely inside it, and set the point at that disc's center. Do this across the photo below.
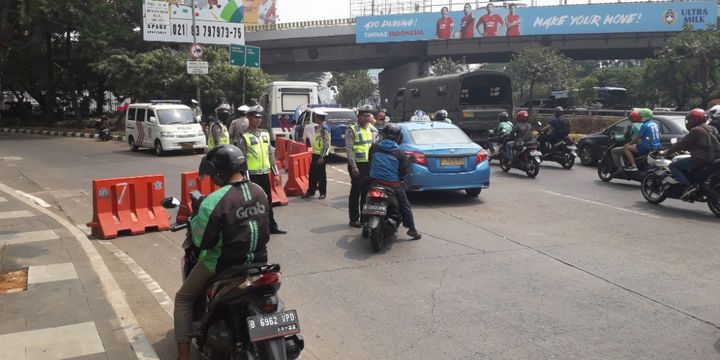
(681, 167)
(318, 177)
(404, 207)
(509, 147)
(191, 290)
(357, 190)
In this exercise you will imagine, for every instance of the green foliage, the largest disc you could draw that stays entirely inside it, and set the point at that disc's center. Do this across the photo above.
(535, 67)
(447, 66)
(586, 91)
(353, 87)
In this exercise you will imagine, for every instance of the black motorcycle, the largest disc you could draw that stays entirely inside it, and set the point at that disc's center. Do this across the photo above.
(527, 158)
(494, 146)
(381, 216)
(105, 134)
(562, 152)
(241, 316)
(607, 170)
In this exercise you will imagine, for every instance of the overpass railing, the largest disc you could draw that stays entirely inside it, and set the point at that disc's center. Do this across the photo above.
(301, 25)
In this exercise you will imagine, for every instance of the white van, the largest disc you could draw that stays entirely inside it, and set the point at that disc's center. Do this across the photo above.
(163, 126)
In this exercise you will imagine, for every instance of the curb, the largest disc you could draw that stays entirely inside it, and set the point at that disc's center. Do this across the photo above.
(58, 133)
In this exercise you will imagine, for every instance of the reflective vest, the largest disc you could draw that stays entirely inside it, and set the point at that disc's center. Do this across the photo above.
(258, 160)
(318, 142)
(224, 135)
(363, 141)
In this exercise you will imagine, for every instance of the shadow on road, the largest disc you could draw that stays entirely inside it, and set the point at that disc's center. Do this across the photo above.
(432, 199)
(356, 247)
(699, 212)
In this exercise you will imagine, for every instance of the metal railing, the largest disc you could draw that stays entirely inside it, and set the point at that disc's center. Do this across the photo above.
(301, 25)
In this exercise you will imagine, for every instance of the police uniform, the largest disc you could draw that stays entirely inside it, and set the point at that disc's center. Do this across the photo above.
(218, 135)
(260, 157)
(357, 143)
(321, 148)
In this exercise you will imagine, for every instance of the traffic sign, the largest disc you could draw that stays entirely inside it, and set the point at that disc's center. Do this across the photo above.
(242, 55)
(197, 67)
(197, 51)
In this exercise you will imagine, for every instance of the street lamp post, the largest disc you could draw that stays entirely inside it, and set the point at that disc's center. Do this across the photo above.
(194, 35)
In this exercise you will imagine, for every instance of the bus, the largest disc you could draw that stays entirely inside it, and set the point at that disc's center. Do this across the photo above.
(281, 100)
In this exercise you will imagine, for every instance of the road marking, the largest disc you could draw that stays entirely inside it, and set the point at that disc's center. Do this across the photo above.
(603, 205)
(160, 295)
(126, 318)
(51, 273)
(339, 169)
(34, 199)
(61, 342)
(27, 237)
(2, 199)
(340, 182)
(15, 214)
(10, 158)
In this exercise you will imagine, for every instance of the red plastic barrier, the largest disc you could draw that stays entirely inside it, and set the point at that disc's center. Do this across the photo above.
(128, 204)
(190, 181)
(278, 194)
(298, 173)
(281, 151)
(295, 147)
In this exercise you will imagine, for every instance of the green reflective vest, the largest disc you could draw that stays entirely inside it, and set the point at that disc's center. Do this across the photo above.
(224, 136)
(317, 145)
(258, 160)
(363, 141)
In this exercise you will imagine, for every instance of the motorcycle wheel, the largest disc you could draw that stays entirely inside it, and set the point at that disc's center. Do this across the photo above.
(377, 239)
(568, 161)
(651, 188)
(605, 169)
(532, 169)
(714, 203)
(505, 164)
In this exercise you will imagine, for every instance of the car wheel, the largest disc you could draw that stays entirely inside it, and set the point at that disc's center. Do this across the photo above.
(473, 193)
(586, 156)
(158, 148)
(199, 151)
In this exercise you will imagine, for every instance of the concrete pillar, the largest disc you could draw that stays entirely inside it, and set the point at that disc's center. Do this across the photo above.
(393, 78)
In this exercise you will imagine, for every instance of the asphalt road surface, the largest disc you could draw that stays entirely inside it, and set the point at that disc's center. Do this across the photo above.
(562, 266)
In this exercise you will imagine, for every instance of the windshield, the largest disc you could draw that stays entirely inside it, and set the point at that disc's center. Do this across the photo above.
(341, 117)
(175, 116)
(439, 136)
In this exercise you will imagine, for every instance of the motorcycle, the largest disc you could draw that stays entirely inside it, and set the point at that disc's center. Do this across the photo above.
(527, 158)
(607, 170)
(381, 216)
(562, 152)
(241, 315)
(659, 183)
(494, 146)
(105, 134)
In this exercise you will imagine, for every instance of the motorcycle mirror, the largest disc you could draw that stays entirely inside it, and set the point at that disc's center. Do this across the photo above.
(673, 141)
(170, 202)
(152, 120)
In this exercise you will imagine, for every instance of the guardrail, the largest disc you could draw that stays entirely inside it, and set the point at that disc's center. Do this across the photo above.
(599, 112)
(301, 25)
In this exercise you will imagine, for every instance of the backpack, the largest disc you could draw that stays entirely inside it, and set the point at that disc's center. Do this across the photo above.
(564, 127)
(713, 145)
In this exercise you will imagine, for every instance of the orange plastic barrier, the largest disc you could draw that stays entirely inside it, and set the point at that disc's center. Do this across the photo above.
(128, 204)
(278, 194)
(298, 173)
(295, 147)
(281, 151)
(190, 181)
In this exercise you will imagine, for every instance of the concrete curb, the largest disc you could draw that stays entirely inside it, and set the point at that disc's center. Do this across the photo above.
(57, 133)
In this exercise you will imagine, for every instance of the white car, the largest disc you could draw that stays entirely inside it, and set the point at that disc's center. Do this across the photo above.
(163, 126)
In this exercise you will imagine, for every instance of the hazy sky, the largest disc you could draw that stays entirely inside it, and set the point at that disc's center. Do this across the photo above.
(303, 10)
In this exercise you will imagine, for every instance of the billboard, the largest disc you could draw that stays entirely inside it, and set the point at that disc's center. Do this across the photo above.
(260, 12)
(216, 21)
(491, 21)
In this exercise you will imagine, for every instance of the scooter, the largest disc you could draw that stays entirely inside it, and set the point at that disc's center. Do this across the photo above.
(381, 216)
(562, 152)
(607, 170)
(241, 316)
(527, 158)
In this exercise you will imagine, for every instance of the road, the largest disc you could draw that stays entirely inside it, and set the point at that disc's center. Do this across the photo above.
(562, 266)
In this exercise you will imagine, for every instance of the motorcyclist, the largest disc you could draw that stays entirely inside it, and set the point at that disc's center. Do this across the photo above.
(230, 228)
(218, 130)
(505, 126)
(696, 142)
(714, 116)
(648, 139)
(388, 166)
(557, 129)
(631, 133)
(521, 132)
(442, 115)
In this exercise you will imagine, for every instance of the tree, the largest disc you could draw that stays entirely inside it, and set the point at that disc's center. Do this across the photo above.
(534, 67)
(586, 90)
(630, 78)
(353, 87)
(447, 66)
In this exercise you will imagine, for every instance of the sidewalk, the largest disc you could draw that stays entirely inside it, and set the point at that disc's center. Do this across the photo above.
(69, 308)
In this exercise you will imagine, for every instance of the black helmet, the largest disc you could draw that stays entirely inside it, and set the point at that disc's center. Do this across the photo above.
(392, 132)
(440, 115)
(559, 111)
(223, 162)
(503, 116)
(366, 109)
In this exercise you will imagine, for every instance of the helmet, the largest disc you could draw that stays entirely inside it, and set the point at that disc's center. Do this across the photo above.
(694, 118)
(635, 116)
(222, 108)
(255, 110)
(645, 114)
(441, 114)
(221, 163)
(522, 116)
(503, 116)
(714, 112)
(392, 132)
(243, 109)
(367, 108)
(559, 111)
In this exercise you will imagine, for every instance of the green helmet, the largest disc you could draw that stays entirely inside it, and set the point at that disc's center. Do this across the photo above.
(645, 114)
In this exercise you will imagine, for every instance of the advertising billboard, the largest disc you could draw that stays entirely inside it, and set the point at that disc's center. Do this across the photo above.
(491, 21)
(260, 12)
(216, 21)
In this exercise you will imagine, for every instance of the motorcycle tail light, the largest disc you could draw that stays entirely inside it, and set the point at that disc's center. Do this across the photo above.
(270, 304)
(210, 293)
(267, 279)
(418, 158)
(374, 193)
(482, 155)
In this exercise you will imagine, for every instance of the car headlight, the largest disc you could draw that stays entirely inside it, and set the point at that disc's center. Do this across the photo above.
(167, 134)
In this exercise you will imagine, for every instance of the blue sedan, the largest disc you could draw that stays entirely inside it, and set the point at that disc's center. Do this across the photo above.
(444, 158)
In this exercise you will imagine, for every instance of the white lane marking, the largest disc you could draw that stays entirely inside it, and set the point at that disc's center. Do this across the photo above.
(34, 198)
(27, 237)
(340, 182)
(134, 333)
(603, 205)
(339, 169)
(2, 199)
(10, 158)
(160, 295)
(61, 342)
(51, 273)
(15, 214)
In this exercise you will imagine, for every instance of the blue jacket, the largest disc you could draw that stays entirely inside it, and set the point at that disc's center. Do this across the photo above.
(387, 161)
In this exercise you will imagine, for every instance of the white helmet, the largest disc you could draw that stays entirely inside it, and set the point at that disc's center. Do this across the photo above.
(714, 112)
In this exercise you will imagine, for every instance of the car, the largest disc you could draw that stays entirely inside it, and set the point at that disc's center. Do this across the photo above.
(338, 119)
(443, 158)
(163, 125)
(592, 146)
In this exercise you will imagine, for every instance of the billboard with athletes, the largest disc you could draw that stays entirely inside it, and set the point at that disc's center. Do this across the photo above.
(260, 12)
(494, 21)
(216, 21)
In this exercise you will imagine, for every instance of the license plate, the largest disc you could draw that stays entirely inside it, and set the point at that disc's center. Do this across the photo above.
(374, 209)
(535, 153)
(270, 326)
(187, 146)
(572, 147)
(453, 161)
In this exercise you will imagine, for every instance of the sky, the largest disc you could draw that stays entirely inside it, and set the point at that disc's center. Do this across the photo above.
(304, 10)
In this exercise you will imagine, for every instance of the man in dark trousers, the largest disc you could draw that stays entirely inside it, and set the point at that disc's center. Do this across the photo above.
(358, 139)
(321, 147)
(260, 155)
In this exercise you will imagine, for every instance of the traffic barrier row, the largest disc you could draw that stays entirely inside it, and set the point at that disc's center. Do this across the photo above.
(298, 173)
(189, 182)
(281, 151)
(128, 204)
(295, 147)
(278, 194)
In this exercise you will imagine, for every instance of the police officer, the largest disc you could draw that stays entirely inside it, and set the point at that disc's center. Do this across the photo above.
(240, 125)
(321, 147)
(218, 131)
(358, 139)
(260, 155)
(197, 112)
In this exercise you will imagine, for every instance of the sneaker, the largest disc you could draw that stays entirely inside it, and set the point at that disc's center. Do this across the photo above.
(689, 192)
(355, 224)
(414, 234)
(630, 168)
